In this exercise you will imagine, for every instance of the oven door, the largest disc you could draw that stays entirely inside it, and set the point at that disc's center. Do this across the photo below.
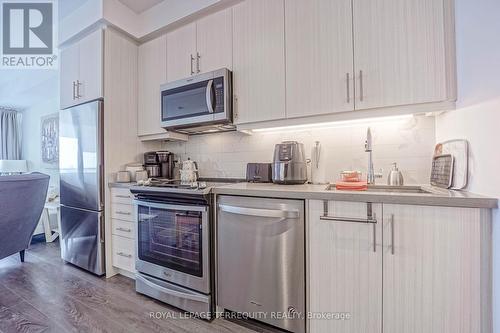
(173, 243)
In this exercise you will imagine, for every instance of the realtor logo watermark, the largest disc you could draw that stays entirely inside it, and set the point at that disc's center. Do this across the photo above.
(28, 34)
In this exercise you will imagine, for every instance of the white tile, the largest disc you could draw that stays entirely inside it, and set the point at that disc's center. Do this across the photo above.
(409, 143)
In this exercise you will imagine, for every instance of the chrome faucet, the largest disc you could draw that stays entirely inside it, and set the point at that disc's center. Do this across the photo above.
(371, 175)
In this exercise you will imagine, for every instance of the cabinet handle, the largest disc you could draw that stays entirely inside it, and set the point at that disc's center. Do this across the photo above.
(348, 86)
(122, 196)
(374, 237)
(361, 89)
(192, 59)
(123, 213)
(370, 219)
(74, 90)
(78, 84)
(392, 234)
(235, 107)
(124, 229)
(198, 56)
(126, 255)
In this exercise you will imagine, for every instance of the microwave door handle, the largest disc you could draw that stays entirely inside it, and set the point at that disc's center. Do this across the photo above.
(208, 96)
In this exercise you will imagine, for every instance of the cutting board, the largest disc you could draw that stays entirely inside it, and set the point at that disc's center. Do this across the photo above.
(459, 149)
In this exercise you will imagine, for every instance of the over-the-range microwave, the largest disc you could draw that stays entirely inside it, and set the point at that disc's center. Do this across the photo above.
(198, 104)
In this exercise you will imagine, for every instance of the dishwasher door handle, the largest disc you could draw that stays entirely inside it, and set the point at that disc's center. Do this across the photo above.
(273, 213)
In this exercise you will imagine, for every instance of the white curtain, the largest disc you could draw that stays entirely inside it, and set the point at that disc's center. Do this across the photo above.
(10, 134)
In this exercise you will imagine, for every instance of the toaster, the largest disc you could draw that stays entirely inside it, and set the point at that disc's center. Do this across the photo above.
(259, 172)
(289, 163)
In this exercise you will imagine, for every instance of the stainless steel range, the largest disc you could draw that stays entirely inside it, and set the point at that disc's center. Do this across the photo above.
(174, 244)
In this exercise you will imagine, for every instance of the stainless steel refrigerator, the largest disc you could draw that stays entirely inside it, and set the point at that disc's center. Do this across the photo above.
(82, 186)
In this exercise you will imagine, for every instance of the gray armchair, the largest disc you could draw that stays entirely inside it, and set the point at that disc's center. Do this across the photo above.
(22, 198)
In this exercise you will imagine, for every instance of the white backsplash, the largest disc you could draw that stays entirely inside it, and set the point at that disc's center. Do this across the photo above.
(408, 142)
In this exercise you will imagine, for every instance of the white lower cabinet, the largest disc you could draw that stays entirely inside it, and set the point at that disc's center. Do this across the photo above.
(428, 272)
(433, 269)
(345, 269)
(124, 253)
(123, 229)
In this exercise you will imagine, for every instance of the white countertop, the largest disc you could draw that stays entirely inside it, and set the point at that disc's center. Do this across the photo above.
(436, 197)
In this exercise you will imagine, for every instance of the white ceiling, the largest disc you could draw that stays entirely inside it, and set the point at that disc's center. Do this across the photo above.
(66, 7)
(139, 6)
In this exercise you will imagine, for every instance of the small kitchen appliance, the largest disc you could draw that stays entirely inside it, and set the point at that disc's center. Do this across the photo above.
(166, 160)
(189, 172)
(198, 104)
(259, 172)
(123, 177)
(289, 163)
(159, 164)
(152, 165)
(132, 168)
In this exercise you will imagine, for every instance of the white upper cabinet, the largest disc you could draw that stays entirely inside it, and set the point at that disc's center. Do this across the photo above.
(181, 53)
(152, 73)
(399, 52)
(214, 41)
(91, 67)
(319, 57)
(258, 61)
(81, 70)
(70, 58)
(199, 47)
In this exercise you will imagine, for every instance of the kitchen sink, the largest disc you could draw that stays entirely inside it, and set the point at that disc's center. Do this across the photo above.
(389, 189)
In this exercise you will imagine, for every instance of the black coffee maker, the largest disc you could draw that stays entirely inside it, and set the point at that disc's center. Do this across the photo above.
(162, 161)
(166, 160)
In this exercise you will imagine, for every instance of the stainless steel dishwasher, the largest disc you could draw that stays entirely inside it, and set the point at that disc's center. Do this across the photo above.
(260, 259)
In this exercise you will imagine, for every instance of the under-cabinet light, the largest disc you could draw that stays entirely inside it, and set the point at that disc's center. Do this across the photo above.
(336, 124)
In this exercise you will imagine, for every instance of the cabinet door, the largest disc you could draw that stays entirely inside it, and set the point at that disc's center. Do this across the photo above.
(181, 52)
(70, 58)
(399, 52)
(258, 61)
(214, 41)
(345, 270)
(432, 270)
(152, 73)
(91, 67)
(319, 58)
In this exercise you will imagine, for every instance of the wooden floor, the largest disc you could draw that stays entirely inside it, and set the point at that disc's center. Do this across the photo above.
(44, 294)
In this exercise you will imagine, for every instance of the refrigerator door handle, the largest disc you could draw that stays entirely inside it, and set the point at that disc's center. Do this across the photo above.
(101, 186)
(101, 229)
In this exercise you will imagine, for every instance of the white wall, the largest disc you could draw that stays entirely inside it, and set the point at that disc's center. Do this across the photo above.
(478, 116)
(32, 140)
(410, 143)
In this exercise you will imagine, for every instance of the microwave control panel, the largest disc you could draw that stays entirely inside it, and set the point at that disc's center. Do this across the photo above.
(219, 94)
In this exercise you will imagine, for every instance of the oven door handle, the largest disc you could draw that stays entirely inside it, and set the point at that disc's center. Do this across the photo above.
(172, 292)
(208, 96)
(171, 207)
